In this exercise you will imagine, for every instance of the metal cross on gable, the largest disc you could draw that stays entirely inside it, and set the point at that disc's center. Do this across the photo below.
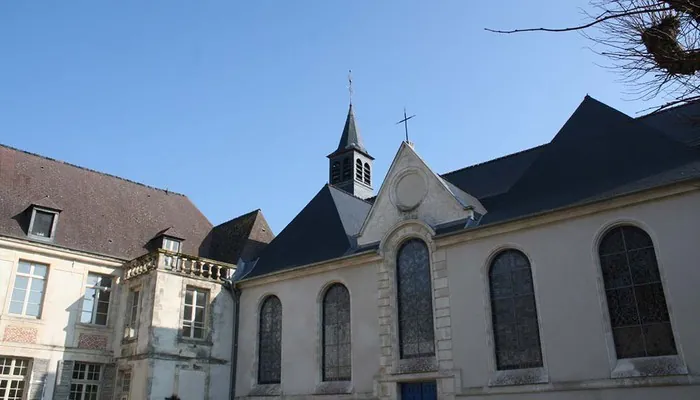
(404, 121)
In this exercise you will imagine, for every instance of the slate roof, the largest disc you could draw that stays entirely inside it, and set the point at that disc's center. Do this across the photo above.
(240, 238)
(681, 123)
(323, 230)
(99, 213)
(598, 154)
(350, 139)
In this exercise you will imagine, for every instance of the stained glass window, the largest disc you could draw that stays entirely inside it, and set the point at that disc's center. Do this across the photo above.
(636, 302)
(414, 292)
(270, 341)
(336, 334)
(514, 312)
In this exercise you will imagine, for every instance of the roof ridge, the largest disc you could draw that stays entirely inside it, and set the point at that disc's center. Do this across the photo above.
(493, 160)
(666, 110)
(167, 191)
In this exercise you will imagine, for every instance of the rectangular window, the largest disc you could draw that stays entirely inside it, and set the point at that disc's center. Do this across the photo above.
(96, 299)
(132, 314)
(42, 223)
(124, 384)
(171, 244)
(13, 377)
(85, 382)
(28, 292)
(194, 313)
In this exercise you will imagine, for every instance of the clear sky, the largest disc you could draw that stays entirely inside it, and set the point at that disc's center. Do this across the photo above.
(236, 104)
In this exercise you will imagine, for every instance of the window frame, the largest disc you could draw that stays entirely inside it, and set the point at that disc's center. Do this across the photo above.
(84, 382)
(133, 314)
(367, 174)
(171, 240)
(492, 298)
(338, 344)
(630, 268)
(122, 375)
(399, 315)
(259, 340)
(31, 277)
(54, 223)
(96, 302)
(21, 379)
(190, 322)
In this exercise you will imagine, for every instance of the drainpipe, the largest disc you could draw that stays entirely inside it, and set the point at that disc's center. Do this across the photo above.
(236, 295)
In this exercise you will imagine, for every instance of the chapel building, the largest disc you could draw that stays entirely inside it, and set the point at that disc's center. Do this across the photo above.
(564, 271)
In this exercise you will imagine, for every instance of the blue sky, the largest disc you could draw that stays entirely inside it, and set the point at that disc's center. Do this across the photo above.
(236, 104)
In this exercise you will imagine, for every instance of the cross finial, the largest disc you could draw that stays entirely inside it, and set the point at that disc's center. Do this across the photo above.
(350, 84)
(404, 121)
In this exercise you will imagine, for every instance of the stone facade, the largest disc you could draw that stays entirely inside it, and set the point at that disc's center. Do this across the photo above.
(161, 363)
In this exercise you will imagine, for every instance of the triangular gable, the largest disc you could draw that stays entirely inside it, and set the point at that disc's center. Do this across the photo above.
(411, 190)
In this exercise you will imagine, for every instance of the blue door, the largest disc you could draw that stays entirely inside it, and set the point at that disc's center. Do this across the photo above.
(418, 391)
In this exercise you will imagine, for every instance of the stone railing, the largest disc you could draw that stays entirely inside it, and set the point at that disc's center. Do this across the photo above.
(183, 264)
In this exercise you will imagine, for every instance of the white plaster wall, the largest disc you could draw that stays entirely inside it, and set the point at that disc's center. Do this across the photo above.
(301, 330)
(438, 206)
(162, 379)
(565, 271)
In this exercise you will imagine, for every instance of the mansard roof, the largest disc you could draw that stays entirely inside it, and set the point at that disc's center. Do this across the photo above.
(598, 154)
(323, 230)
(99, 213)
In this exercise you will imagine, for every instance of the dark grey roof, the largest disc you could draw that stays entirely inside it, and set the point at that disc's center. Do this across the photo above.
(350, 139)
(99, 213)
(598, 154)
(243, 238)
(493, 177)
(681, 123)
(323, 230)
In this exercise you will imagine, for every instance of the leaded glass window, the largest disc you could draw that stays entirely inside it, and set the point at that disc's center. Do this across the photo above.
(336, 334)
(636, 302)
(414, 292)
(514, 312)
(270, 341)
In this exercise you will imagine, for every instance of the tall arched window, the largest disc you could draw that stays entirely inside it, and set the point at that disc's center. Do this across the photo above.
(347, 169)
(636, 302)
(336, 334)
(358, 170)
(414, 292)
(368, 179)
(270, 341)
(335, 172)
(514, 312)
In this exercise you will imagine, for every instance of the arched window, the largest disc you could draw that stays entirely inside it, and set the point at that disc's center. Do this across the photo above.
(336, 334)
(414, 292)
(270, 341)
(335, 172)
(347, 169)
(358, 170)
(514, 312)
(636, 302)
(368, 179)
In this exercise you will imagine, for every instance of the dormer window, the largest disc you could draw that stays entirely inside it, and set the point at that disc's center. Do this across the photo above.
(171, 244)
(43, 223)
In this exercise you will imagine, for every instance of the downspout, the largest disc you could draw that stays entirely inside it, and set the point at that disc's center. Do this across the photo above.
(236, 295)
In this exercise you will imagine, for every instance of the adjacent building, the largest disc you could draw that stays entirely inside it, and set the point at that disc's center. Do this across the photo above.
(110, 289)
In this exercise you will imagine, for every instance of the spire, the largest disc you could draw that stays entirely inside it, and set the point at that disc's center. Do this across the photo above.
(350, 138)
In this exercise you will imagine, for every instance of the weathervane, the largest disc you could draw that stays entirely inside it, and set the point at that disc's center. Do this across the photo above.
(350, 84)
(404, 121)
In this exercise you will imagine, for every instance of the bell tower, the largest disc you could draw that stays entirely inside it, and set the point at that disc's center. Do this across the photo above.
(350, 165)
